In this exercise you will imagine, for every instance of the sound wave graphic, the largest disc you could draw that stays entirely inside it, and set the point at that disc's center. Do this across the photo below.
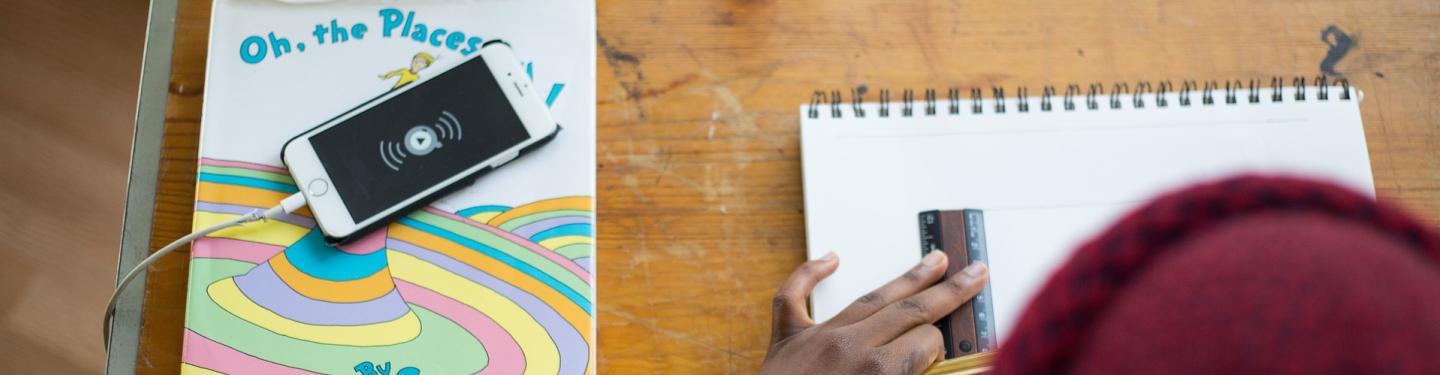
(449, 127)
(393, 154)
(446, 127)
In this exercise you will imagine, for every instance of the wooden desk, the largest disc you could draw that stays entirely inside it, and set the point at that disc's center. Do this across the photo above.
(700, 203)
(699, 191)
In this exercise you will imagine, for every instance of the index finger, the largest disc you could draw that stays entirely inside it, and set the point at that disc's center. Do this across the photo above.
(919, 277)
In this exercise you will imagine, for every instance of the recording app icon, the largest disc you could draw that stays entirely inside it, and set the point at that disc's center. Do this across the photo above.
(421, 140)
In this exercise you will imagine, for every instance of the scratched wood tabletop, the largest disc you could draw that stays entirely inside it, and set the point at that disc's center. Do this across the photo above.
(699, 188)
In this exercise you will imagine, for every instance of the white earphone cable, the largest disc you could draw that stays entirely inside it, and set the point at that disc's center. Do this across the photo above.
(288, 205)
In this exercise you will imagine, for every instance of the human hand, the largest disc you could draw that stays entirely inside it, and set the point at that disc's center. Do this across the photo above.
(888, 331)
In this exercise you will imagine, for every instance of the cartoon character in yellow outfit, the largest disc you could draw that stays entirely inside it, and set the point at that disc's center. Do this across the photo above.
(410, 74)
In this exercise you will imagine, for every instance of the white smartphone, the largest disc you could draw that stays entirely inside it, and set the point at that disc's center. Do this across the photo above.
(416, 143)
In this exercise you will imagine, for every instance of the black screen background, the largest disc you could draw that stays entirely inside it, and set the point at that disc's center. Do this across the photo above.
(350, 152)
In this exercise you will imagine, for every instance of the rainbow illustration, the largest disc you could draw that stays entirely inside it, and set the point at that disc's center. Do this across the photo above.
(488, 289)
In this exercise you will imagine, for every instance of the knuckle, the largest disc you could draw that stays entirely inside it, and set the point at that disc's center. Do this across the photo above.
(957, 284)
(780, 301)
(912, 359)
(876, 363)
(870, 298)
(914, 310)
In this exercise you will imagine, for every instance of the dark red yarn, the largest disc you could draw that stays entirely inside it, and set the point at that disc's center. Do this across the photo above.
(1064, 313)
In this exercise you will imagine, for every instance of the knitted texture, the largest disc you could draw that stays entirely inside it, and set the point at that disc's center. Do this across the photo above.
(1244, 275)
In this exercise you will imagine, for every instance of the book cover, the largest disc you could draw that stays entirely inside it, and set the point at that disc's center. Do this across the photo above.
(495, 279)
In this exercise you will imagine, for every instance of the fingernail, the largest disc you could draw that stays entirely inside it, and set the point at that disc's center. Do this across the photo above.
(830, 256)
(931, 259)
(976, 269)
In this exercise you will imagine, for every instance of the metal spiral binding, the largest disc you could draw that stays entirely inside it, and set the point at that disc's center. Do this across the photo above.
(1185, 88)
(815, 99)
(1138, 101)
(975, 95)
(857, 97)
(1070, 92)
(1255, 91)
(1277, 86)
(1141, 94)
(999, 99)
(1045, 95)
(1300, 94)
(1115, 94)
(1207, 97)
(1020, 103)
(929, 102)
(884, 102)
(954, 95)
(1230, 97)
(1161, 99)
(908, 103)
(1096, 89)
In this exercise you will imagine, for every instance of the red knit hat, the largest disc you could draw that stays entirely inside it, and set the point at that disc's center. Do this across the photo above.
(1245, 275)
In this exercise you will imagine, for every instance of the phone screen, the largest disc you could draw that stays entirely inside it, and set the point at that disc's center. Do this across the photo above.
(419, 138)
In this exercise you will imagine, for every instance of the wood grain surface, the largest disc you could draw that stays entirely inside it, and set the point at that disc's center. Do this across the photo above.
(699, 191)
(68, 75)
(699, 188)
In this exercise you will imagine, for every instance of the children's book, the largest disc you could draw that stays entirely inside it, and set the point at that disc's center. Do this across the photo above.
(496, 278)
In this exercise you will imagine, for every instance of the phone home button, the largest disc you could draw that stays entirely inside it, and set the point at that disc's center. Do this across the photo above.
(318, 187)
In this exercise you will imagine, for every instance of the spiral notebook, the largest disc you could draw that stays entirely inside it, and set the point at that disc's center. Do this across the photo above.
(1048, 171)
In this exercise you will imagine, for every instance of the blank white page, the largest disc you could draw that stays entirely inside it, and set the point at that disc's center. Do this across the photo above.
(1047, 181)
